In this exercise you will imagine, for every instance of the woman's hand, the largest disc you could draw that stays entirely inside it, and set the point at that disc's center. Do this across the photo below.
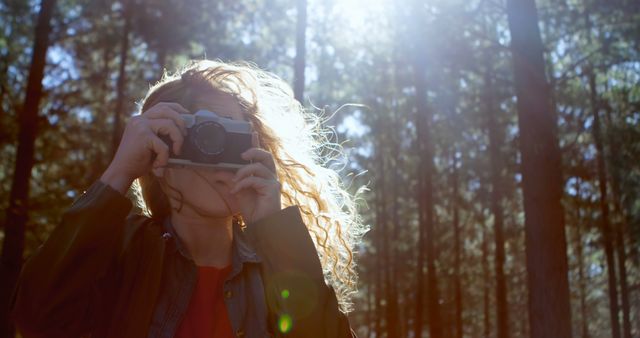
(141, 149)
(256, 185)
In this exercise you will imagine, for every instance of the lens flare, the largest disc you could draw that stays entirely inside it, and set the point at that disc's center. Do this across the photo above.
(285, 323)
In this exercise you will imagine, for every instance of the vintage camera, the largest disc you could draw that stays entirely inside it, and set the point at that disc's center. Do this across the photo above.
(212, 141)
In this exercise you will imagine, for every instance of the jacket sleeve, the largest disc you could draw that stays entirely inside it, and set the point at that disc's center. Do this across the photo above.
(300, 302)
(59, 291)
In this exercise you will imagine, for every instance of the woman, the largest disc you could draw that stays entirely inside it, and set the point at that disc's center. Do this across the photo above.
(215, 253)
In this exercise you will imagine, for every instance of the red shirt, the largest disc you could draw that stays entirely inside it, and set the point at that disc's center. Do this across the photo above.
(207, 315)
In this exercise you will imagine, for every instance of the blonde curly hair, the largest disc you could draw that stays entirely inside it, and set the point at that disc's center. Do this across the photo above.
(301, 149)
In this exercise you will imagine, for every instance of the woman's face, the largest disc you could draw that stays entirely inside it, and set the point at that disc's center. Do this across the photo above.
(207, 189)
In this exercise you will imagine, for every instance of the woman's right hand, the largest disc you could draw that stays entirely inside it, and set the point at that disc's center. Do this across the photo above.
(141, 149)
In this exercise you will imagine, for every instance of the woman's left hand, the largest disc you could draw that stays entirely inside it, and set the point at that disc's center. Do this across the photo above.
(256, 186)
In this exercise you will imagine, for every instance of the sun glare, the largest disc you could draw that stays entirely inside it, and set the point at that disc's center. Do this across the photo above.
(358, 15)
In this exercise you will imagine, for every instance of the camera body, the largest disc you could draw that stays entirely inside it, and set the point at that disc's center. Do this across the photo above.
(212, 141)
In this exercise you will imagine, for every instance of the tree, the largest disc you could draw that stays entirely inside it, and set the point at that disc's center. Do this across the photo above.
(122, 76)
(549, 310)
(457, 281)
(299, 67)
(497, 208)
(16, 219)
(605, 224)
(424, 145)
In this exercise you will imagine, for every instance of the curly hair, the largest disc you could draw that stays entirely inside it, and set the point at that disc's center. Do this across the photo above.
(301, 149)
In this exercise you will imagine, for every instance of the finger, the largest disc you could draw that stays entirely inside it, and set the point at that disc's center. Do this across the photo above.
(262, 156)
(161, 150)
(257, 183)
(255, 169)
(167, 111)
(168, 127)
(255, 140)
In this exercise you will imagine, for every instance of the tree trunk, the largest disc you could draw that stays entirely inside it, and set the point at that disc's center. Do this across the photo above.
(393, 264)
(584, 327)
(17, 213)
(122, 78)
(421, 197)
(549, 307)
(379, 292)
(621, 230)
(486, 319)
(370, 303)
(383, 228)
(624, 286)
(495, 157)
(615, 145)
(608, 231)
(299, 66)
(605, 225)
(426, 240)
(380, 234)
(390, 294)
(325, 62)
(457, 284)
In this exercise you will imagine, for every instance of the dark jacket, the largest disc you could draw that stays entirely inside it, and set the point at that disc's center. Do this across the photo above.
(102, 273)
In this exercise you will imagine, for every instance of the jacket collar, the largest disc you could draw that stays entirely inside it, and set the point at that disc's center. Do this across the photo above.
(242, 251)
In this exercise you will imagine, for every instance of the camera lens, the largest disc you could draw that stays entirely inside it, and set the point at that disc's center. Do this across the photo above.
(209, 138)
